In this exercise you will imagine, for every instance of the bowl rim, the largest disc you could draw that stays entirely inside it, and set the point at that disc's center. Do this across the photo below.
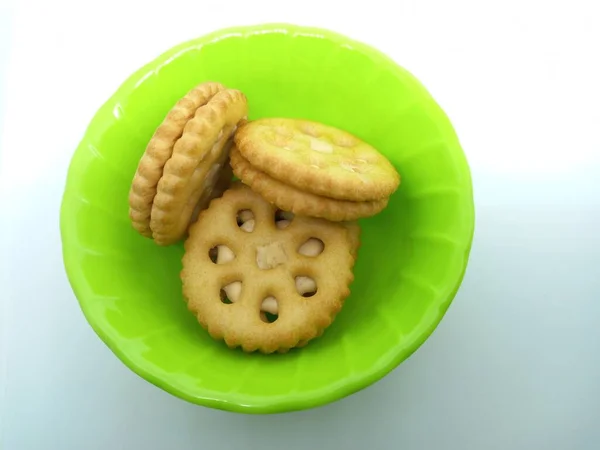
(80, 286)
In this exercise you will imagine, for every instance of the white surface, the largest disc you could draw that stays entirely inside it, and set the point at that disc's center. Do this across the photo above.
(515, 363)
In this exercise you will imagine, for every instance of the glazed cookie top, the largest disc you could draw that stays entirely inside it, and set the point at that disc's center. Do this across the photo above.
(317, 158)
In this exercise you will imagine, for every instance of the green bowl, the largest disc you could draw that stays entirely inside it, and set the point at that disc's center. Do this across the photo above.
(413, 254)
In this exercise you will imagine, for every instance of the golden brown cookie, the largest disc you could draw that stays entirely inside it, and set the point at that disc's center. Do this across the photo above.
(290, 198)
(261, 279)
(198, 157)
(158, 152)
(317, 158)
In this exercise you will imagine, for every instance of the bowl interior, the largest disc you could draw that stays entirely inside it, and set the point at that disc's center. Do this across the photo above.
(410, 264)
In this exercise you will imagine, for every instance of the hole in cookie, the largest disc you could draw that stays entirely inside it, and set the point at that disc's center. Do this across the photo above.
(312, 247)
(269, 310)
(306, 286)
(245, 220)
(221, 254)
(283, 219)
(224, 298)
(268, 317)
(231, 292)
(213, 253)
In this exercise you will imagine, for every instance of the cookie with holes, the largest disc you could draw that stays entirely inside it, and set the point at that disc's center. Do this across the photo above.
(197, 164)
(317, 158)
(262, 279)
(290, 198)
(159, 150)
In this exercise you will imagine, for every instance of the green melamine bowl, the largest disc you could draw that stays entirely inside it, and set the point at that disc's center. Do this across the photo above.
(413, 254)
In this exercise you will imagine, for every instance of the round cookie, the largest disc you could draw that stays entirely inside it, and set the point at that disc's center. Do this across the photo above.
(290, 198)
(158, 152)
(198, 157)
(317, 158)
(261, 281)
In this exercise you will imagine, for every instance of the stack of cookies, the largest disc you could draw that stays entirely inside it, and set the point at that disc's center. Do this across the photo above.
(313, 169)
(268, 259)
(186, 162)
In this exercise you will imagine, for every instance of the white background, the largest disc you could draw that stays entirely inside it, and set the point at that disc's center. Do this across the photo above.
(515, 364)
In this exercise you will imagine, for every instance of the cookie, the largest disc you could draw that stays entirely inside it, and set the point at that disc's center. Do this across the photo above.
(317, 158)
(198, 158)
(290, 198)
(158, 152)
(262, 279)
